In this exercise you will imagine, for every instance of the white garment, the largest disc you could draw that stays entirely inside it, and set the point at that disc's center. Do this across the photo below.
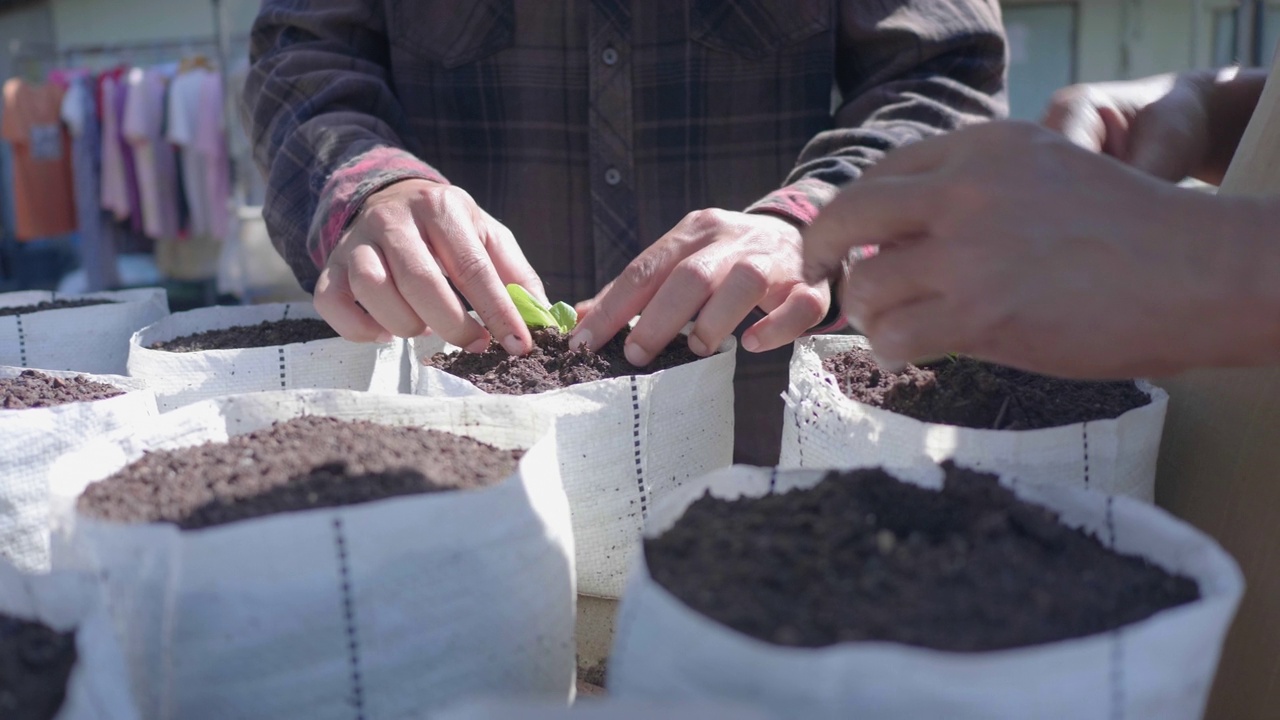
(184, 119)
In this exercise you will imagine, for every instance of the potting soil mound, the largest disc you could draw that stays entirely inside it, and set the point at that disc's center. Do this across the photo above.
(31, 389)
(53, 305)
(35, 664)
(864, 557)
(551, 365)
(973, 394)
(302, 464)
(264, 334)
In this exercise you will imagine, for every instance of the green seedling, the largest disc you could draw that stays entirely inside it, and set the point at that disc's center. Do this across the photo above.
(537, 315)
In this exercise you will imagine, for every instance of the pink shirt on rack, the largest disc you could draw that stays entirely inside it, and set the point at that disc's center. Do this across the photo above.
(153, 155)
(211, 143)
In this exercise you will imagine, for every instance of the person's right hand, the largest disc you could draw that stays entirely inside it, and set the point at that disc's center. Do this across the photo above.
(1159, 124)
(396, 261)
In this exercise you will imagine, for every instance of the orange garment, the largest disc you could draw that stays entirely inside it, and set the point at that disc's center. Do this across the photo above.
(43, 192)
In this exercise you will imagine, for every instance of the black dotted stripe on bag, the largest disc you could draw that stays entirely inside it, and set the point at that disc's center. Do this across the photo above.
(773, 479)
(349, 616)
(22, 342)
(284, 385)
(795, 411)
(286, 311)
(635, 434)
(1084, 430)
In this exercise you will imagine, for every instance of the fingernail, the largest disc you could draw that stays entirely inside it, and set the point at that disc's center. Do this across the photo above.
(579, 338)
(697, 346)
(478, 346)
(383, 337)
(635, 354)
(512, 345)
(750, 343)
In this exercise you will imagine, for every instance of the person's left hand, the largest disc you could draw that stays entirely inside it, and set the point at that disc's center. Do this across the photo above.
(718, 265)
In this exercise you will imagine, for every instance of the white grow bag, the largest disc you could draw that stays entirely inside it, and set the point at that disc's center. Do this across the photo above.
(387, 609)
(823, 428)
(1161, 667)
(623, 443)
(98, 688)
(31, 440)
(182, 378)
(92, 339)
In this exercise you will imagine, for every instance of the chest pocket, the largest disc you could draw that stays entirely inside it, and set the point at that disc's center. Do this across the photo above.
(450, 33)
(758, 29)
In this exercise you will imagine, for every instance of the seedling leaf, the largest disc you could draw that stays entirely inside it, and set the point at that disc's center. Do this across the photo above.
(532, 311)
(566, 317)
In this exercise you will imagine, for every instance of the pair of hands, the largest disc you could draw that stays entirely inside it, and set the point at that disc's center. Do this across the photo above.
(1070, 254)
(391, 274)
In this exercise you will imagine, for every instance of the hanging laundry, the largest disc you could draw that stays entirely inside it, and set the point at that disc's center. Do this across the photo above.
(211, 146)
(97, 245)
(183, 122)
(154, 159)
(42, 193)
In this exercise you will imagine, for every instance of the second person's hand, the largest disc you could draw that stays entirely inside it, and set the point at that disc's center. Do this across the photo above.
(717, 265)
(390, 273)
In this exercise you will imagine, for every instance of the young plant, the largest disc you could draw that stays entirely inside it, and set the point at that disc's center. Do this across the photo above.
(537, 315)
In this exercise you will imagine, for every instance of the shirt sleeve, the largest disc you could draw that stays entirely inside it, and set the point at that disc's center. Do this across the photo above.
(325, 125)
(912, 70)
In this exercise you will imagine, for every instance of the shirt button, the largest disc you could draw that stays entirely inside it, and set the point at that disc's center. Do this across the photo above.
(609, 56)
(612, 176)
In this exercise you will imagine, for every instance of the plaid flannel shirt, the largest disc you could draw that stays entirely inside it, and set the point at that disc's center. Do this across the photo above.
(591, 127)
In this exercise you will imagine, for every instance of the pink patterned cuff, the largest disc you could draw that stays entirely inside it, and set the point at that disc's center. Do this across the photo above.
(799, 202)
(350, 185)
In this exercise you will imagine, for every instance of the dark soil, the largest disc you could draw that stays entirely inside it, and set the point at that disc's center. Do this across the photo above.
(264, 334)
(302, 464)
(864, 557)
(31, 389)
(53, 305)
(552, 365)
(973, 394)
(593, 677)
(35, 664)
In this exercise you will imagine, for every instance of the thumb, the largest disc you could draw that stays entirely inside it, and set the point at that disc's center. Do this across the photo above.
(1077, 119)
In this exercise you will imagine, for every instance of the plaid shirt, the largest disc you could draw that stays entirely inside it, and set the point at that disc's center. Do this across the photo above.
(591, 127)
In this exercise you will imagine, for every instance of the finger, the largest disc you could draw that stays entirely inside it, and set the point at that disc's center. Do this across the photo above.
(631, 292)
(900, 273)
(921, 329)
(868, 213)
(1076, 118)
(509, 260)
(337, 305)
(1115, 132)
(804, 307)
(455, 241)
(688, 287)
(423, 286)
(745, 285)
(1159, 146)
(375, 290)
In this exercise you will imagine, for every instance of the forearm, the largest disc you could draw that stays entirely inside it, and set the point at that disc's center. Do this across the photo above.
(1231, 95)
(325, 124)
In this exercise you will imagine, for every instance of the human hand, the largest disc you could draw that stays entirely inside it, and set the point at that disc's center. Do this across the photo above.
(1005, 242)
(1158, 124)
(396, 261)
(717, 265)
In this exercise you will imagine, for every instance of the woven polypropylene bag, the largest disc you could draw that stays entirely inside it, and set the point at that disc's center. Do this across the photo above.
(98, 688)
(1161, 667)
(624, 443)
(182, 378)
(823, 428)
(92, 339)
(387, 609)
(32, 440)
